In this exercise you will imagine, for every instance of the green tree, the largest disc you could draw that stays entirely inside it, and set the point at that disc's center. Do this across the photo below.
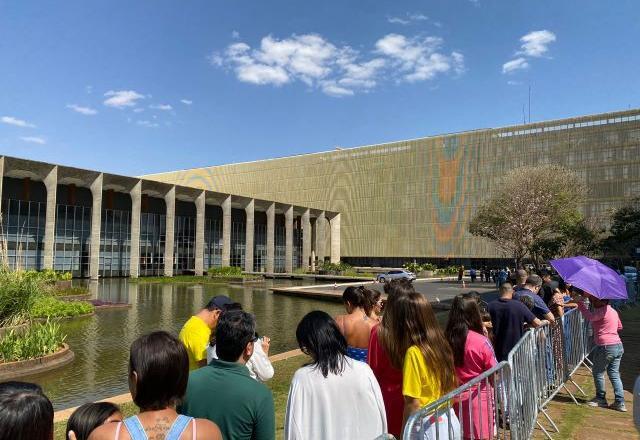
(624, 232)
(529, 206)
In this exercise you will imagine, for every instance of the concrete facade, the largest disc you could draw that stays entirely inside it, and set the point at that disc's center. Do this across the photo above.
(175, 225)
(414, 199)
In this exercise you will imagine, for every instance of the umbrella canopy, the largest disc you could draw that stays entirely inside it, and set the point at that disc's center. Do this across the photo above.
(591, 276)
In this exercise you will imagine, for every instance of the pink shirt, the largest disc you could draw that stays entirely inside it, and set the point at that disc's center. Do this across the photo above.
(478, 357)
(605, 322)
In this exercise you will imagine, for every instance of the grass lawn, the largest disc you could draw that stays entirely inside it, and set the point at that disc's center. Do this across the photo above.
(279, 386)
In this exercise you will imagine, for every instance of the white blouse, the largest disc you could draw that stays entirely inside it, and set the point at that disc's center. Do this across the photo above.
(259, 365)
(345, 406)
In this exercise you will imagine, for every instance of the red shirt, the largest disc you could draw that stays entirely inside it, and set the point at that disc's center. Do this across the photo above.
(390, 380)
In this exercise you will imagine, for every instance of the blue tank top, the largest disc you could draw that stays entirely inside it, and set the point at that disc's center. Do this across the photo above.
(359, 354)
(136, 430)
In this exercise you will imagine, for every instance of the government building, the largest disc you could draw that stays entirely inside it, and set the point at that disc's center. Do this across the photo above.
(377, 205)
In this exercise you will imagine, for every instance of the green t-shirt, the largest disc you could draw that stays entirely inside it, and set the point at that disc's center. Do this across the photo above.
(224, 393)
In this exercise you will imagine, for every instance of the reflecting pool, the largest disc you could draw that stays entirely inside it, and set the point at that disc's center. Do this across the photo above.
(101, 342)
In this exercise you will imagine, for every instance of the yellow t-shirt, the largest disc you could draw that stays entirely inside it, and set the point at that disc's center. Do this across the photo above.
(418, 381)
(195, 336)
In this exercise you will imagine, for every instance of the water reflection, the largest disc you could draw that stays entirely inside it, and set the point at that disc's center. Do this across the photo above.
(101, 342)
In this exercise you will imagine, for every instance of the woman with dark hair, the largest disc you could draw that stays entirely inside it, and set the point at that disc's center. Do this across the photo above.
(410, 334)
(356, 325)
(158, 373)
(89, 416)
(25, 412)
(373, 307)
(333, 396)
(472, 356)
(389, 377)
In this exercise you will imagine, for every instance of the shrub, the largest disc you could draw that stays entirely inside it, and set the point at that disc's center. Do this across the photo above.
(412, 267)
(225, 271)
(429, 266)
(18, 292)
(336, 268)
(71, 291)
(38, 340)
(50, 307)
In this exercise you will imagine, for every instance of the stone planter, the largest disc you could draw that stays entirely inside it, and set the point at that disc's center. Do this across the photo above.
(426, 274)
(14, 370)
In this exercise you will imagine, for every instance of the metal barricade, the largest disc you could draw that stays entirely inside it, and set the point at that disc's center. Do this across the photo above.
(476, 410)
(505, 402)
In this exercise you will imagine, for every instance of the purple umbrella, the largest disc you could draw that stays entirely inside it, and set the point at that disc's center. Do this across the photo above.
(591, 276)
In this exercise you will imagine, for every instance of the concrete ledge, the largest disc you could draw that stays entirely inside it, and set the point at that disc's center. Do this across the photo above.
(14, 370)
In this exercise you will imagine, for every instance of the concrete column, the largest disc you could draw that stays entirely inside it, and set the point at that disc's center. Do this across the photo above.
(271, 237)
(96, 220)
(170, 202)
(200, 220)
(226, 232)
(335, 238)
(288, 252)
(306, 239)
(134, 253)
(51, 184)
(249, 231)
(321, 241)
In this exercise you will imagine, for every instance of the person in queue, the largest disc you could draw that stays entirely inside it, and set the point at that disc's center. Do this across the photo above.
(158, 373)
(259, 366)
(472, 355)
(224, 392)
(374, 305)
(416, 345)
(25, 412)
(521, 279)
(324, 393)
(608, 350)
(196, 332)
(532, 286)
(389, 377)
(509, 317)
(356, 326)
(89, 416)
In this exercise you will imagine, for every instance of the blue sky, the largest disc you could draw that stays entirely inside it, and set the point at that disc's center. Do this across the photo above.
(142, 86)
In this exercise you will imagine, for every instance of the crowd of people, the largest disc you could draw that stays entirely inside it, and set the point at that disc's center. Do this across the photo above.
(370, 369)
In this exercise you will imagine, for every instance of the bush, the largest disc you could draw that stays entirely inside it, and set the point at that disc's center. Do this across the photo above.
(336, 268)
(429, 266)
(412, 267)
(18, 292)
(48, 276)
(450, 270)
(225, 271)
(50, 307)
(71, 291)
(37, 341)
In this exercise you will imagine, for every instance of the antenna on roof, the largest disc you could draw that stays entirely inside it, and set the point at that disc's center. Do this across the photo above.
(529, 104)
(524, 118)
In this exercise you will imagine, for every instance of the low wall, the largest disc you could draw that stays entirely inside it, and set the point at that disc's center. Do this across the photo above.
(14, 370)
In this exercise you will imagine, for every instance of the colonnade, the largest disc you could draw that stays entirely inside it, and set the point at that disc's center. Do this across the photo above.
(313, 222)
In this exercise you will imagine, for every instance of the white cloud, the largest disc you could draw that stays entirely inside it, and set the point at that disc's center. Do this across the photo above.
(235, 35)
(514, 83)
(17, 122)
(163, 107)
(515, 64)
(337, 70)
(82, 110)
(138, 110)
(34, 139)
(148, 124)
(536, 43)
(122, 98)
(407, 19)
(88, 89)
(418, 58)
(186, 101)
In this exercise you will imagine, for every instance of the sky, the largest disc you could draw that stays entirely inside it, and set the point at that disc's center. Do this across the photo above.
(143, 86)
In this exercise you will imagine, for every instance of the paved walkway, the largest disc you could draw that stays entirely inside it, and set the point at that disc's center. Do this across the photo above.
(583, 422)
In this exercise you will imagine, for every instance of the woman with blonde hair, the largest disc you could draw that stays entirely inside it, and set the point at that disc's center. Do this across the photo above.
(415, 344)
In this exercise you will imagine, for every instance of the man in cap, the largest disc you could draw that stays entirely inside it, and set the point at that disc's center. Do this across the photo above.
(197, 330)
